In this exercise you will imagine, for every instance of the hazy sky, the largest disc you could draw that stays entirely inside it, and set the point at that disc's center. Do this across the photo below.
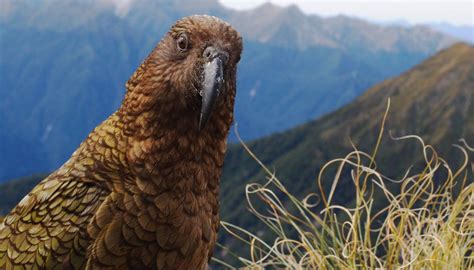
(414, 11)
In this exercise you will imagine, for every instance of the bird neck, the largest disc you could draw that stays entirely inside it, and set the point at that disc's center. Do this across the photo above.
(164, 148)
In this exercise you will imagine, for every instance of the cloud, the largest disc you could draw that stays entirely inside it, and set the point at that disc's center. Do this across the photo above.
(122, 7)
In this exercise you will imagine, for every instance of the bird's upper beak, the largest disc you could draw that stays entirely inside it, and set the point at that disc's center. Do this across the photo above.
(213, 74)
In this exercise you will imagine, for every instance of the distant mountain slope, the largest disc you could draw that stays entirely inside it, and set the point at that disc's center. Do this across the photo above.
(12, 192)
(462, 32)
(63, 66)
(434, 100)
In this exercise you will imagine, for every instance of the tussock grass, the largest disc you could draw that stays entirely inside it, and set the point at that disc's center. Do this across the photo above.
(423, 226)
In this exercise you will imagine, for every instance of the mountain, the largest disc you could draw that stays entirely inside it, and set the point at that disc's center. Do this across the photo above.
(64, 64)
(434, 100)
(462, 32)
(290, 27)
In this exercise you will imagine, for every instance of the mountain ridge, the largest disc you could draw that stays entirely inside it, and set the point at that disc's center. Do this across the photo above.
(335, 31)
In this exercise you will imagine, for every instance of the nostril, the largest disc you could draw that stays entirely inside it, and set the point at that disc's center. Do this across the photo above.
(208, 52)
(212, 52)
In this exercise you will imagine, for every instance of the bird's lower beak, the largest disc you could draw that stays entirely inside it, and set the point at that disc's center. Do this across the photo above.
(212, 84)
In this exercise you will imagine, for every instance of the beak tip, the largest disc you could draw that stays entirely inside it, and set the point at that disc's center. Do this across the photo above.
(202, 122)
(200, 127)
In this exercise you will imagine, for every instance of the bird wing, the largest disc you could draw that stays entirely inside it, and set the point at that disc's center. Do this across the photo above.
(47, 228)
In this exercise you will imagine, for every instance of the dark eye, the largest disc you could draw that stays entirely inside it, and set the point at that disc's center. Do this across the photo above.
(182, 42)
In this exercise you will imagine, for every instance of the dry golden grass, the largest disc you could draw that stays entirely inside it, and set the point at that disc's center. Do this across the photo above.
(424, 226)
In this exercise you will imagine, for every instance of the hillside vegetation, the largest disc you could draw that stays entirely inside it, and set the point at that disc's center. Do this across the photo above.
(428, 224)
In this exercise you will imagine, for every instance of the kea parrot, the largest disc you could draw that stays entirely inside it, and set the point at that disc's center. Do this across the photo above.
(141, 192)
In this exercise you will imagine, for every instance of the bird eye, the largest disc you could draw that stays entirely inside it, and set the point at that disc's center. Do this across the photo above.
(182, 42)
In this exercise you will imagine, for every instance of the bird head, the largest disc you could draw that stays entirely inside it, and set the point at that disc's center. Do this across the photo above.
(194, 66)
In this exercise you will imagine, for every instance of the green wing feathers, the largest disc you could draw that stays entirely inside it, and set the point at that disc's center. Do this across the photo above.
(47, 229)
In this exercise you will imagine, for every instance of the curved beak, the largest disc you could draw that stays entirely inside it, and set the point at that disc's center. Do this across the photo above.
(213, 74)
